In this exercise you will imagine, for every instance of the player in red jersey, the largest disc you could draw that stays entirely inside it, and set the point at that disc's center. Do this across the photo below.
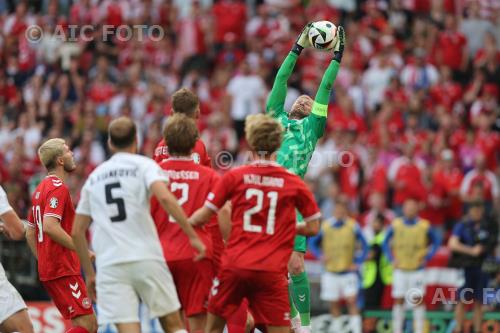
(186, 102)
(51, 220)
(190, 183)
(264, 197)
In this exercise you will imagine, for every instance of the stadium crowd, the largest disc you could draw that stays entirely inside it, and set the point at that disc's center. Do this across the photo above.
(414, 114)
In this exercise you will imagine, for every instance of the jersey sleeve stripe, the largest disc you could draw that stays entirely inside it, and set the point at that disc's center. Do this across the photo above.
(211, 206)
(320, 110)
(312, 217)
(53, 215)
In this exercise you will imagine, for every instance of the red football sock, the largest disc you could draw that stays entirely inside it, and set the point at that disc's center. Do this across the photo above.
(77, 329)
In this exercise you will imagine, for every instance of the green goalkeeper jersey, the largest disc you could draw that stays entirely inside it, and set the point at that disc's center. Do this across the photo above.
(301, 135)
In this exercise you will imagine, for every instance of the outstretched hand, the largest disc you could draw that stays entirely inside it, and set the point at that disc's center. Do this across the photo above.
(338, 50)
(303, 38)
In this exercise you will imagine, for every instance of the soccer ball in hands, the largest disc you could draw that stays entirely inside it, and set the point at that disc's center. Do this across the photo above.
(323, 35)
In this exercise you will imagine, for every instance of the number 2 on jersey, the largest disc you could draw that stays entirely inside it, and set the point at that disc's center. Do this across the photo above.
(119, 202)
(271, 215)
(184, 188)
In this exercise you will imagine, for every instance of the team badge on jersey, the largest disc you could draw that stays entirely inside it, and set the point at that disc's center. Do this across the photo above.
(86, 303)
(53, 202)
(196, 158)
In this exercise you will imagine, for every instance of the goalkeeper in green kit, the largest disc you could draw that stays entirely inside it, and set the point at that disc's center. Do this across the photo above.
(304, 126)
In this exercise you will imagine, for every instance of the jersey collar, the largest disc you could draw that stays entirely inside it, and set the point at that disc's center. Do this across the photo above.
(264, 162)
(179, 158)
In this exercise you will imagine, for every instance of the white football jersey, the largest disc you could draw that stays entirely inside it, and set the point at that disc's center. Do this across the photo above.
(4, 202)
(4, 208)
(117, 198)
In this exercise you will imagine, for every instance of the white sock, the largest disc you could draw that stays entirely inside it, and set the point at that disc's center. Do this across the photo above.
(355, 323)
(336, 324)
(305, 329)
(419, 318)
(398, 317)
(181, 331)
(296, 323)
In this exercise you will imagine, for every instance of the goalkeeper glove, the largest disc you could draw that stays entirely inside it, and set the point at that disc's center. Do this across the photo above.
(338, 50)
(302, 40)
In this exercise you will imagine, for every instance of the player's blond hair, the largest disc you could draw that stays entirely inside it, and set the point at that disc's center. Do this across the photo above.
(180, 134)
(49, 151)
(263, 133)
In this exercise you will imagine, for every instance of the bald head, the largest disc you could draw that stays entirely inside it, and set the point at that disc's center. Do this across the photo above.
(122, 133)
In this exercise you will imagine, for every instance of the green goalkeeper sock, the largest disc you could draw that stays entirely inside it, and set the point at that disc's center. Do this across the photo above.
(301, 293)
(293, 309)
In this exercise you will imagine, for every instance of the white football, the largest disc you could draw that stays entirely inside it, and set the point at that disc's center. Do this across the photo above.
(323, 35)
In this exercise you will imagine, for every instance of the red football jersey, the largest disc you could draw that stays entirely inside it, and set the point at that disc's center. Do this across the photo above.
(264, 196)
(52, 198)
(199, 155)
(190, 183)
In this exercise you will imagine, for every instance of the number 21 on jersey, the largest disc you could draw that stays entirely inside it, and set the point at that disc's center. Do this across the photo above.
(271, 215)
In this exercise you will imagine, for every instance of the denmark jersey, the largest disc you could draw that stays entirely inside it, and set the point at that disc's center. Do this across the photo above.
(116, 196)
(51, 198)
(190, 183)
(199, 155)
(264, 196)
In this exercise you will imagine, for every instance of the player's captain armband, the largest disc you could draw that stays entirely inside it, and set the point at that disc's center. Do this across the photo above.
(320, 110)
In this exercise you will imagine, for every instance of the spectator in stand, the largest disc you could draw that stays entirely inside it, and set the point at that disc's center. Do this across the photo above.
(452, 49)
(449, 176)
(419, 73)
(480, 184)
(475, 28)
(219, 137)
(472, 241)
(378, 213)
(246, 93)
(405, 176)
(229, 17)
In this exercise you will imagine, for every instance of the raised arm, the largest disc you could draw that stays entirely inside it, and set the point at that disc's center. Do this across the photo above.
(320, 107)
(276, 99)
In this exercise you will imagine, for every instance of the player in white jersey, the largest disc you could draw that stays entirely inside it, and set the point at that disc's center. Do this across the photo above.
(129, 258)
(13, 311)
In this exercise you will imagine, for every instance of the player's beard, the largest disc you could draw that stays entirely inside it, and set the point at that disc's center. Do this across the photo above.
(69, 165)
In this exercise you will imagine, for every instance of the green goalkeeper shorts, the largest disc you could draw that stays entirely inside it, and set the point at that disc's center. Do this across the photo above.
(300, 243)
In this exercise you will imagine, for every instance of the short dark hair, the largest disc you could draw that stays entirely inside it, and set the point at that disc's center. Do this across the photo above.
(185, 101)
(180, 134)
(122, 132)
